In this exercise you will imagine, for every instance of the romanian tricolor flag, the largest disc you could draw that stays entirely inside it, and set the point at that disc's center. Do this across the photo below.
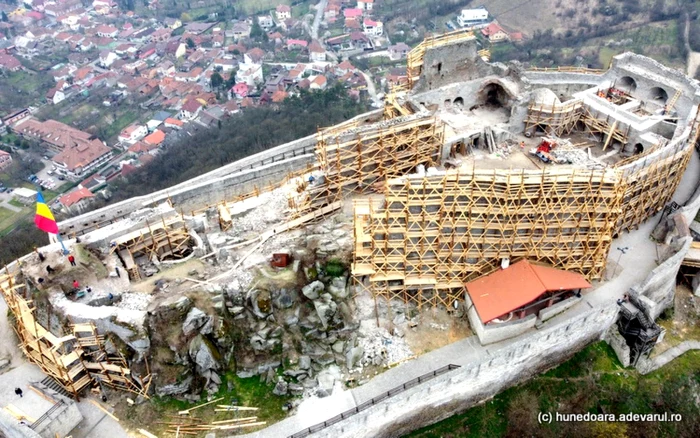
(44, 218)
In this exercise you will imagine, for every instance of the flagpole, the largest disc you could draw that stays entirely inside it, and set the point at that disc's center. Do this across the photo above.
(65, 251)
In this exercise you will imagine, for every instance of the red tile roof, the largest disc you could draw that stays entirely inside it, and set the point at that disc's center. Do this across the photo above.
(155, 138)
(503, 291)
(75, 197)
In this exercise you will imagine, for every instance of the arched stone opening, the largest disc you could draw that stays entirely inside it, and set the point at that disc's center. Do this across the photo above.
(658, 95)
(627, 84)
(494, 95)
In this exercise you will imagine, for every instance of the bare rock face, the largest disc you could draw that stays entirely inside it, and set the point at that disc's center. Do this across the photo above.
(205, 355)
(175, 388)
(197, 320)
(312, 290)
(325, 309)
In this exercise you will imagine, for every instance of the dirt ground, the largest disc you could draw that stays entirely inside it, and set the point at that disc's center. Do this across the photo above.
(436, 330)
(146, 285)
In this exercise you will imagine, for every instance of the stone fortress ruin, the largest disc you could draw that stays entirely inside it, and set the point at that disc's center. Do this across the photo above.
(471, 168)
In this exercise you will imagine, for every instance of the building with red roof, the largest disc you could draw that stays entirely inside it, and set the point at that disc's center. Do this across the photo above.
(509, 301)
(77, 199)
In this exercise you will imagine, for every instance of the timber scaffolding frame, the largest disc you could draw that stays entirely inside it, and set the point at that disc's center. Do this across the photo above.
(432, 234)
(392, 106)
(360, 160)
(651, 182)
(75, 361)
(159, 240)
(414, 60)
(562, 119)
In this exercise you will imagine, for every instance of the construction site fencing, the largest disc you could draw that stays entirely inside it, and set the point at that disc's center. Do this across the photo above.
(378, 399)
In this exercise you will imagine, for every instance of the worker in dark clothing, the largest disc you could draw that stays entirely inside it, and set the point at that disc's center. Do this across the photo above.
(50, 270)
(42, 257)
(18, 391)
(71, 259)
(116, 268)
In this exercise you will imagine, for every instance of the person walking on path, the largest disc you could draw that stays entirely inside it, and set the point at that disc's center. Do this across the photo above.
(18, 391)
(71, 259)
(50, 270)
(116, 268)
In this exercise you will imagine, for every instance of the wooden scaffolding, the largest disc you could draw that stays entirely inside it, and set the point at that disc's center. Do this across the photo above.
(159, 241)
(359, 160)
(650, 184)
(553, 119)
(75, 361)
(414, 59)
(432, 234)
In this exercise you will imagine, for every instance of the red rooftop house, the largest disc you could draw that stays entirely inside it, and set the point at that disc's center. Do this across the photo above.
(508, 302)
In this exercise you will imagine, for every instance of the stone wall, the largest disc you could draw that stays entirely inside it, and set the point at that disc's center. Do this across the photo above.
(452, 63)
(225, 182)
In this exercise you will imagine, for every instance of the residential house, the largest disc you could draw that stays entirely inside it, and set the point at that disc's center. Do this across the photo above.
(173, 123)
(473, 17)
(241, 29)
(55, 95)
(296, 74)
(365, 5)
(180, 51)
(265, 21)
(9, 62)
(283, 12)
(250, 74)
(398, 51)
(81, 158)
(238, 91)
(190, 110)
(5, 160)
(254, 56)
(316, 52)
(319, 83)
(141, 147)
(296, 44)
(133, 133)
(77, 200)
(359, 40)
(274, 83)
(107, 58)
(352, 13)
(102, 7)
(211, 116)
(104, 30)
(225, 64)
(161, 35)
(172, 23)
(155, 138)
(331, 12)
(495, 33)
(372, 28)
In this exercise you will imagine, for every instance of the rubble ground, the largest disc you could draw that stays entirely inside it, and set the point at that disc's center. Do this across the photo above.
(682, 322)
